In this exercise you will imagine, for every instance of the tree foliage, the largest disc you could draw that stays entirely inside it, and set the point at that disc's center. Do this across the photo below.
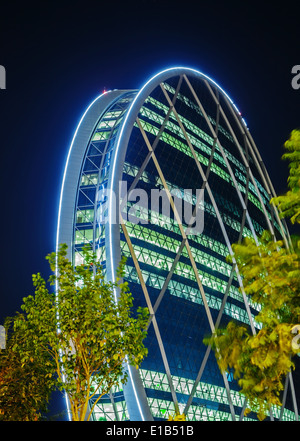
(289, 204)
(271, 279)
(25, 382)
(86, 336)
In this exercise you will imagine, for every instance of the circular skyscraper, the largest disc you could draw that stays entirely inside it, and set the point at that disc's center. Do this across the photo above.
(170, 177)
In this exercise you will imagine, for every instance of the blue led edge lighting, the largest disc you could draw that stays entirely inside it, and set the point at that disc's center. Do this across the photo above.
(67, 163)
(59, 213)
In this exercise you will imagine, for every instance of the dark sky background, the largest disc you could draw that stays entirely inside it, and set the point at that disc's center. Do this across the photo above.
(60, 55)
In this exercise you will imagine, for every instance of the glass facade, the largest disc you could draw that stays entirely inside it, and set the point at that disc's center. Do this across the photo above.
(179, 132)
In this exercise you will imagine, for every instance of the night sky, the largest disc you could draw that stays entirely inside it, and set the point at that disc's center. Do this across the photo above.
(60, 55)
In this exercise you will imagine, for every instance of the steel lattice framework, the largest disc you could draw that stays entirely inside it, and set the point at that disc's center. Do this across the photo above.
(179, 131)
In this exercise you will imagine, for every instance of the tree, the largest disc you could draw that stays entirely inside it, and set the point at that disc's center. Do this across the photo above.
(25, 385)
(271, 278)
(289, 204)
(86, 334)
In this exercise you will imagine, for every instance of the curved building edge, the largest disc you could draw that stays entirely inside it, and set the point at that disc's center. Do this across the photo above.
(134, 391)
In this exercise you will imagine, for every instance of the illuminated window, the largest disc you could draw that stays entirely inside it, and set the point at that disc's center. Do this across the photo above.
(84, 216)
(83, 236)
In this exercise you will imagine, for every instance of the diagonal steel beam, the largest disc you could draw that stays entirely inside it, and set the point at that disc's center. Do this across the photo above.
(246, 162)
(208, 349)
(199, 283)
(158, 168)
(218, 216)
(223, 154)
(154, 145)
(149, 305)
(224, 232)
(262, 172)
